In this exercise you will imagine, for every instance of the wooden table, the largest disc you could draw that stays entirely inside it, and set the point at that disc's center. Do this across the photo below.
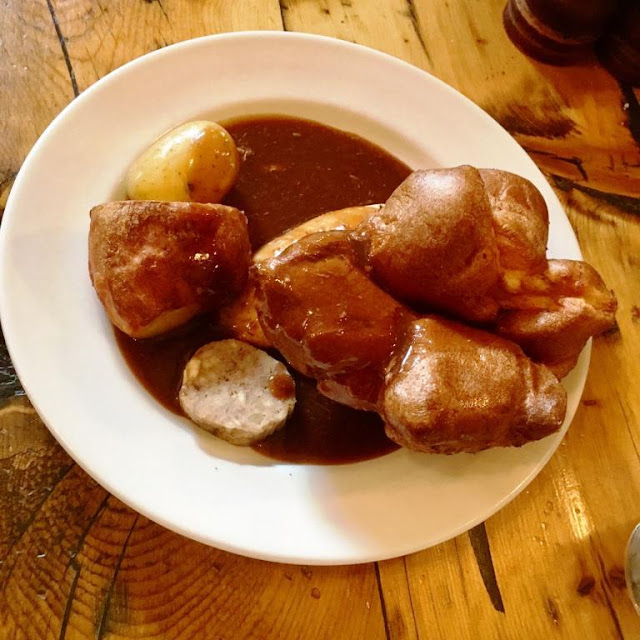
(77, 563)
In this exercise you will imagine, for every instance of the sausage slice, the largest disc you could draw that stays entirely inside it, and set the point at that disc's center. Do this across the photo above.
(237, 392)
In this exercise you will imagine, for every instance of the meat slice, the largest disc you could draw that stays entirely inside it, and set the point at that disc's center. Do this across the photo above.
(553, 314)
(339, 220)
(155, 265)
(451, 388)
(433, 245)
(327, 318)
(237, 392)
(240, 317)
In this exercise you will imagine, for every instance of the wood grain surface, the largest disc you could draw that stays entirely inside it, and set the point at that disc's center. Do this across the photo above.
(77, 563)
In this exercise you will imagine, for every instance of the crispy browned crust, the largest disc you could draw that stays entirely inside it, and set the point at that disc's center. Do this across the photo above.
(433, 244)
(451, 388)
(155, 265)
(472, 244)
(520, 220)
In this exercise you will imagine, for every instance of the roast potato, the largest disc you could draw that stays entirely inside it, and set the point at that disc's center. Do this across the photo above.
(155, 265)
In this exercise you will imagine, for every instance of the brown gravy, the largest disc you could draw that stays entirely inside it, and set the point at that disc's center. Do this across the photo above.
(292, 171)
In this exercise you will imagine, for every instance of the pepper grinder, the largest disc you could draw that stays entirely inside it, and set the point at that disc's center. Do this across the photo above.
(619, 49)
(557, 32)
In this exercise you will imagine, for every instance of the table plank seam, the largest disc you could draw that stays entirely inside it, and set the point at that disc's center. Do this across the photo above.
(573, 160)
(413, 612)
(626, 203)
(69, 604)
(484, 560)
(607, 597)
(94, 518)
(65, 52)
(628, 426)
(383, 604)
(159, 3)
(415, 21)
(282, 6)
(102, 625)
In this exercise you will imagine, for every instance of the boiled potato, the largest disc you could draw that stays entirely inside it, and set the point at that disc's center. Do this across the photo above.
(195, 162)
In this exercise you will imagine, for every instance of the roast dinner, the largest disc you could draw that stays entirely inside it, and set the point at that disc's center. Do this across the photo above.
(314, 273)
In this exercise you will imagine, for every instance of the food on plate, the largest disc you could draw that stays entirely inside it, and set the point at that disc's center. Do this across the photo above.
(195, 162)
(439, 386)
(155, 265)
(550, 308)
(445, 237)
(372, 302)
(294, 169)
(453, 388)
(291, 171)
(339, 220)
(552, 315)
(432, 245)
(327, 318)
(472, 244)
(237, 392)
(240, 317)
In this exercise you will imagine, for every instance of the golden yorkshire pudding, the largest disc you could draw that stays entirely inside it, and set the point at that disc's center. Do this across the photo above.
(433, 246)
(472, 244)
(451, 388)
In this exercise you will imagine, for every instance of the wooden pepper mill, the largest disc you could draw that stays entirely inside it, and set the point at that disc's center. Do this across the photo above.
(557, 31)
(619, 49)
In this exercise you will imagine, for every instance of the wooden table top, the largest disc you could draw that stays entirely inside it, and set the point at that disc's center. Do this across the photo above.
(77, 563)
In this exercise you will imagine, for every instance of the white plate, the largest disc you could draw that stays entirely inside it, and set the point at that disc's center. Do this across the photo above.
(64, 349)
